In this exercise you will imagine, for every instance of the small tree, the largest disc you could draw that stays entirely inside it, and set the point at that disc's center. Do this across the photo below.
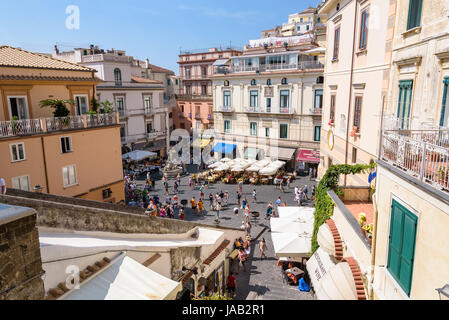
(59, 105)
(106, 107)
(95, 105)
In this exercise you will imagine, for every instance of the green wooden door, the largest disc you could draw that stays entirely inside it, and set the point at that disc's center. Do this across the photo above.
(402, 240)
(404, 103)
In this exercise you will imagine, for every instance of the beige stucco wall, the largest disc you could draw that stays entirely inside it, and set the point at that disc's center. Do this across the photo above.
(431, 260)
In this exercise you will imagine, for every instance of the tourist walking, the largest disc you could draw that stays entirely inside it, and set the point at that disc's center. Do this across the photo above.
(191, 183)
(202, 192)
(278, 202)
(244, 203)
(305, 191)
(217, 211)
(175, 186)
(281, 185)
(193, 203)
(200, 207)
(275, 182)
(166, 186)
(269, 211)
(178, 179)
(239, 196)
(262, 248)
(289, 181)
(231, 285)
(181, 213)
(242, 260)
(211, 201)
(313, 193)
(236, 211)
(254, 196)
(226, 198)
(241, 187)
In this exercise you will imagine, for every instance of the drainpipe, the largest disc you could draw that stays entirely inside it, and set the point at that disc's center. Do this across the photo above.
(45, 164)
(350, 86)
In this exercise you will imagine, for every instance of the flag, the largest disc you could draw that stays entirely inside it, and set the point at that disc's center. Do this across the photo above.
(372, 176)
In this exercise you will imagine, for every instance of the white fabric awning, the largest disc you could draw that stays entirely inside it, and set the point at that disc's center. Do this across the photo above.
(291, 245)
(299, 213)
(285, 153)
(331, 281)
(125, 279)
(138, 155)
(291, 226)
(220, 62)
(268, 171)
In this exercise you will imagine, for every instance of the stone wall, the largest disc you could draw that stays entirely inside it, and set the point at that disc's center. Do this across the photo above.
(20, 258)
(74, 201)
(183, 257)
(76, 217)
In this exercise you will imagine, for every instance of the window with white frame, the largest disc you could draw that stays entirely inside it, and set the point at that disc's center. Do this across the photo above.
(283, 131)
(147, 104)
(226, 98)
(254, 97)
(227, 126)
(81, 104)
(66, 144)
(21, 183)
(267, 132)
(17, 152)
(253, 128)
(18, 107)
(120, 105)
(285, 97)
(69, 175)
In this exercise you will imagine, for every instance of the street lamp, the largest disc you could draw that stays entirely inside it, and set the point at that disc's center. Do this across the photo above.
(444, 292)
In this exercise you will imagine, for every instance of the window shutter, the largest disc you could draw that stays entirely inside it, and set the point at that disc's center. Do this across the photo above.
(408, 250)
(15, 183)
(394, 252)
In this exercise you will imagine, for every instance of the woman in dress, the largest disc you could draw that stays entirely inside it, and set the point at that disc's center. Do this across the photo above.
(262, 248)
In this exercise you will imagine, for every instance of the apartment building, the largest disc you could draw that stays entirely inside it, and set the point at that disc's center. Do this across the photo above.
(76, 156)
(357, 64)
(142, 93)
(303, 22)
(194, 102)
(413, 168)
(268, 102)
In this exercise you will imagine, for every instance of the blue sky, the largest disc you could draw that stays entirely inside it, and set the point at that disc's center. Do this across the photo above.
(145, 29)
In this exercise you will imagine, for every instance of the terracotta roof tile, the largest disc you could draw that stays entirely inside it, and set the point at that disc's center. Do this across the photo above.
(144, 80)
(158, 69)
(357, 274)
(217, 251)
(151, 260)
(47, 78)
(338, 254)
(15, 57)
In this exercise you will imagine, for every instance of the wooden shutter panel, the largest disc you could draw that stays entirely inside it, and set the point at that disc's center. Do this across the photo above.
(408, 250)
(394, 252)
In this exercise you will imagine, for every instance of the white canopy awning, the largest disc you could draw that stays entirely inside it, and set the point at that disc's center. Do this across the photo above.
(299, 213)
(268, 171)
(125, 279)
(291, 245)
(253, 168)
(291, 226)
(138, 155)
(331, 281)
(220, 62)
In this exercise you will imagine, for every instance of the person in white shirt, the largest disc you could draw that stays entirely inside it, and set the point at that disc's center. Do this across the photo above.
(2, 186)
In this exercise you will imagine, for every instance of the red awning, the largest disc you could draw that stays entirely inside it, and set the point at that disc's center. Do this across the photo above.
(307, 155)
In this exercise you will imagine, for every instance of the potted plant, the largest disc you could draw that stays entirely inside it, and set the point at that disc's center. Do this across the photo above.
(61, 111)
(331, 122)
(368, 228)
(15, 124)
(354, 131)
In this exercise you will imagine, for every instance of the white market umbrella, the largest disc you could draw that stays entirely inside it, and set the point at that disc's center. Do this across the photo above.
(297, 213)
(237, 169)
(214, 165)
(138, 155)
(262, 163)
(291, 244)
(223, 167)
(268, 171)
(253, 169)
(283, 225)
(225, 160)
(279, 163)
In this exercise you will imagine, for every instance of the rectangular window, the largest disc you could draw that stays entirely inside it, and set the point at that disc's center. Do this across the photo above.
(363, 30)
(122, 131)
(336, 43)
(17, 152)
(414, 14)
(253, 128)
(69, 176)
(332, 108)
(283, 131)
(404, 103)
(317, 133)
(227, 98)
(120, 106)
(204, 72)
(149, 127)
(268, 105)
(107, 193)
(66, 144)
(267, 132)
(187, 73)
(21, 183)
(253, 102)
(81, 105)
(354, 155)
(284, 103)
(18, 107)
(357, 113)
(204, 90)
(401, 246)
(444, 118)
(318, 103)
(147, 104)
(188, 90)
(227, 126)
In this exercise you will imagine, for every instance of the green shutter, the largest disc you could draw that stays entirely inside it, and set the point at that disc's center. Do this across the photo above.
(414, 14)
(402, 245)
(443, 106)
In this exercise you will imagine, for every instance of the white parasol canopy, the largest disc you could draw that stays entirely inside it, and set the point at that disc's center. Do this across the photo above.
(225, 160)
(279, 163)
(214, 165)
(237, 169)
(223, 167)
(291, 244)
(138, 155)
(262, 163)
(253, 169)
(291, 226)
(268, 171)
(297, 213)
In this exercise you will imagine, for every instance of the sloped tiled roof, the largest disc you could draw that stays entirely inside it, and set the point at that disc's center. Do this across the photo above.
(157, 69)
(47, 78)
(215, 254)
(309, 10)
(143, 80)
(15, 57)
(55, 293)
(151, 260)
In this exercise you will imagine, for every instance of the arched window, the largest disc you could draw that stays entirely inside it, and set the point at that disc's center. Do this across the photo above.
(253, 82)
(320, 79)
(268, 82)
(118, 77)
(284, 81)
(226, 83)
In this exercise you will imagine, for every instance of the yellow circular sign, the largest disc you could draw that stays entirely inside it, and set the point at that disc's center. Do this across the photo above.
(330, 139)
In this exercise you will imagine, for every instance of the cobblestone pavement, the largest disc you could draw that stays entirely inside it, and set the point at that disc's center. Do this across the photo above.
(263, 276)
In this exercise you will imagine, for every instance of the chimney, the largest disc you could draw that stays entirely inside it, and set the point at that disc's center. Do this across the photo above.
(147, 63)
(56, 49)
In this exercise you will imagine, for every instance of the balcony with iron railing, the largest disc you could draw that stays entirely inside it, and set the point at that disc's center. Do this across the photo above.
(155, 134)
(44, 125)
(302, 65)
(422, 154)
(316, 111)
(224, 109)
(270, 110)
